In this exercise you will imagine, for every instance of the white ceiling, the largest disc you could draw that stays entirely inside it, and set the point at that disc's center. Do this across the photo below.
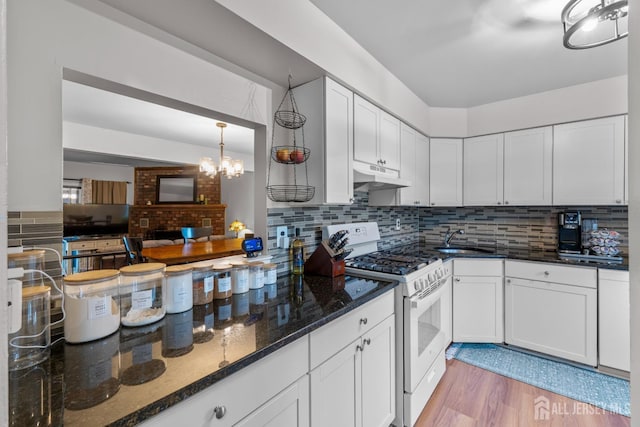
(465, 53)
(99, 108)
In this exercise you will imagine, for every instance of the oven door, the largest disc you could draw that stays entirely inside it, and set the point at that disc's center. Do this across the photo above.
(424, 338)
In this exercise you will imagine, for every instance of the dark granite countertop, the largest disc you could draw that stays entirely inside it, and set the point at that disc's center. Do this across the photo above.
(523, 254)
(135, 373)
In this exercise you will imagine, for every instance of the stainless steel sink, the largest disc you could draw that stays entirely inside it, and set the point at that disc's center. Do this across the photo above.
(462, 251)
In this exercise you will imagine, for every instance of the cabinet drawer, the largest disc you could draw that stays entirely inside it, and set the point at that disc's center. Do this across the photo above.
(74, 246)
(109, 244)
(242, 392)
(328, 340)
(617, 275)
(477, 267)
(577, 276)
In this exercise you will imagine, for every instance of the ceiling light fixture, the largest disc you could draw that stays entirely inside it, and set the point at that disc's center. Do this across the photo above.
(228, 167)
(591, 23)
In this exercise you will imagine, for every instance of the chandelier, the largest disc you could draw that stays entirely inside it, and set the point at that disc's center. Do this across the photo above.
(591, 23)
(227, 167)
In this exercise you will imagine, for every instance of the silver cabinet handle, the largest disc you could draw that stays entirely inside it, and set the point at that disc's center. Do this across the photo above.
(220, 411)
(433, 204)
(618, 201)
(363, 321)
(546, 273)
(366, 342)
(506, 202)
(499, 203)
(351, 200)
(457, 279)
(508, 280)
(359, 348)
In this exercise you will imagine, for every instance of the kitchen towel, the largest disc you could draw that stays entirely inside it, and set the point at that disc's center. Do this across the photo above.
(579, 383)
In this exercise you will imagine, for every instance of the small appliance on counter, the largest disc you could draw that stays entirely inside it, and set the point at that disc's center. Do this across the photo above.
(252, 246)
(570, 232)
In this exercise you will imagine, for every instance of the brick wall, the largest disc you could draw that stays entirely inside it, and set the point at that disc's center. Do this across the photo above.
(145, 183)
(144, 218)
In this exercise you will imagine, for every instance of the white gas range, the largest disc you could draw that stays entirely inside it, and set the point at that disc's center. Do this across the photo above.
(423, 311)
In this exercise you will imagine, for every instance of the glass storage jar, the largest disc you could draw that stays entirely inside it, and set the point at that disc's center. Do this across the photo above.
(202, 285)
(29, 260)
(142, 291)
(270, 273)
(179, 295)
(91, 372)
(177, 334)
(141, 354)
(256, 275)
(91, 305)
(222, 281)
(29, 345)
(239, 277)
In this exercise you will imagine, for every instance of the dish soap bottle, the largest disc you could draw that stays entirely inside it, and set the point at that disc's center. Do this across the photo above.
(297, 254)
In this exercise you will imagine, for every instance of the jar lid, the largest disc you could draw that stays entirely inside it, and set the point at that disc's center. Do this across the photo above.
(201, 268)
(26, 255)
(270, 265)
(238, 264)
(178, 269)
(91, 276)
(32, 291)
(222, 267)
(145, 267)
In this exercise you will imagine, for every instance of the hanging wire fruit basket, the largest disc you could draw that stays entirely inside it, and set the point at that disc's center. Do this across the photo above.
(294, 154)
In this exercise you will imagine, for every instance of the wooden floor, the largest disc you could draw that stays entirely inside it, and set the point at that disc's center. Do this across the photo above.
(468, 396)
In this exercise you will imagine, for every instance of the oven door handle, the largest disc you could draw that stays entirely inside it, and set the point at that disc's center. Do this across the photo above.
(420, 300)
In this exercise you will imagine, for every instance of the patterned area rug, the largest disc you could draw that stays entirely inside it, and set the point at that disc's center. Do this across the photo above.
(582, 384)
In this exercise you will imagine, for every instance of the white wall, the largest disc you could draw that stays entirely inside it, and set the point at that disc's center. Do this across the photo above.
(77, 170)
(590, 100)
(634, 207)
(234, 194)
(109, 141)
(56, 34)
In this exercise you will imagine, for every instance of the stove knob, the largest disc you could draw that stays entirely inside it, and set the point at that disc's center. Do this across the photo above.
(415, 285)
(430, 277)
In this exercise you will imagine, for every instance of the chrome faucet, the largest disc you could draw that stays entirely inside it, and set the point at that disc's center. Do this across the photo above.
(449, 236)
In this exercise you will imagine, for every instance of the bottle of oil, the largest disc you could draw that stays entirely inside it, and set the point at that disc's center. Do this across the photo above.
(297, 254)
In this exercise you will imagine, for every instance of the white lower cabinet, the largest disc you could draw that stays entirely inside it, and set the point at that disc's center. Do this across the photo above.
(356, 385)
(552, 309)
(290, 408)
(614, 336)
(477, 301)
(275, 387)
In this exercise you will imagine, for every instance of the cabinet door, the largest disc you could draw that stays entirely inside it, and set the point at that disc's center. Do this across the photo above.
(378, 375)
(366, 117)
(478, 312)
(289, 408)
(528, 167)
(421, 181)
(445, 172)
(588, 162)
(338, 142)
(614, 336)
(483, 170)
(389, 142)
(555, 319)
(336, 398)
(408, 164)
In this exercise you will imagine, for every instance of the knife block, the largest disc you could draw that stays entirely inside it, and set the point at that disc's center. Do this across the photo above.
(321, 262)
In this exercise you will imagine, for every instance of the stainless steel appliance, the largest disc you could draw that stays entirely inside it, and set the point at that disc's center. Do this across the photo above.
(423, 312)
(570, 232)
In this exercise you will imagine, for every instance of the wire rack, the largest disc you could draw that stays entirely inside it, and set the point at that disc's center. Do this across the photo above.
(294, 154)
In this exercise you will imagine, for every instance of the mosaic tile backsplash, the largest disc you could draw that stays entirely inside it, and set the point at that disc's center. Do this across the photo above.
(503, 227)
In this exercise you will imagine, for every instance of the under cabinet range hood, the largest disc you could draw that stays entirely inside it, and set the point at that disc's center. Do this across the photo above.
(368, 177)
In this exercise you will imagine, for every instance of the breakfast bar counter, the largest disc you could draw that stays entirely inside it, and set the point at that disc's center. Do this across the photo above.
(196, 251)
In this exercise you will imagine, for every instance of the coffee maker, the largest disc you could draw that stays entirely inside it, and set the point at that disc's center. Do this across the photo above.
(570, 232)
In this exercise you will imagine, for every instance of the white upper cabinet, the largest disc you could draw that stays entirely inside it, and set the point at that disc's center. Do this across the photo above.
(414, 167)
(329, 135)
(445, 171)
(483, 170)
(528, 167)
(588, 162)
(376, 135)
